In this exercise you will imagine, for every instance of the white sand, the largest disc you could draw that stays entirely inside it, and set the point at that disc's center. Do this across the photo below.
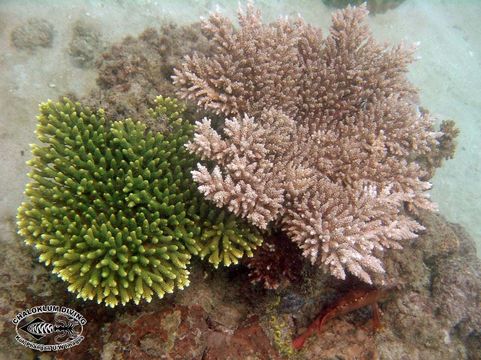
(448, 76)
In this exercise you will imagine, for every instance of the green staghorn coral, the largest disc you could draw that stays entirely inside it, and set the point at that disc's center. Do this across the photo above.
(113, 208)
(224, 241)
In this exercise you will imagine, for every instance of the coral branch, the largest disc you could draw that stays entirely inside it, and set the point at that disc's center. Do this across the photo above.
(320, 137)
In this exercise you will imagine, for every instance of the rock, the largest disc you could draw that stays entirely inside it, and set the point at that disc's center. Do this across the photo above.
(248, 342)
(177, 332)
(85, 45)
(433, 313)
(133, 72)
(33, 34)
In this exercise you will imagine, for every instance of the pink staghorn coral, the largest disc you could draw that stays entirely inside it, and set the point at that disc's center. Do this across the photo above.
(320, 135)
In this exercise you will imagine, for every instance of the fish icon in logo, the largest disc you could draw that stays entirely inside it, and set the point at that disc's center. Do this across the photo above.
(64, 327)
(49, 327)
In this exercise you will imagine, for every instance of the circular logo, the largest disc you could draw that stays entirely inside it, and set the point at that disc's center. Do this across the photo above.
(49, 328)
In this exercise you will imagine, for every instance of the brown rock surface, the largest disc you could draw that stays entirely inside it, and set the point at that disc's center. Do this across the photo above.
(133, 72)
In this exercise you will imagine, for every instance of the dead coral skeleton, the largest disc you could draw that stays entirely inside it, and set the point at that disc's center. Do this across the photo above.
(319, 137)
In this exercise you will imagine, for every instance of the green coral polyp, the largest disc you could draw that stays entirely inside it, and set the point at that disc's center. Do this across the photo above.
(222, 238)
(112, 206)
(225, 242)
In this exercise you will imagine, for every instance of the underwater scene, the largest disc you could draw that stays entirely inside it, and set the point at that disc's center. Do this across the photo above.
(240, 180)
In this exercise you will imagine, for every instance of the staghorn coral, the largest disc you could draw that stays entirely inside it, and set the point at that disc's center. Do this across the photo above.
(320, 137)
(225, 240)
(374, 6)
(443, 150)
(113, 207)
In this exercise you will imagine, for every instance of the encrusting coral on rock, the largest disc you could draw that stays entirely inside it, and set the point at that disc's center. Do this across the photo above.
(114, 209)
(319, 137)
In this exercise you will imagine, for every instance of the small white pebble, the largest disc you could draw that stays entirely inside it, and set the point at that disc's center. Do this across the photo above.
(447, 338)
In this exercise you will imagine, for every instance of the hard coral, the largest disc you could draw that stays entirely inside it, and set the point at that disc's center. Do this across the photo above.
(113, 207)
(321, 135)
(443, 150)
(374, 6)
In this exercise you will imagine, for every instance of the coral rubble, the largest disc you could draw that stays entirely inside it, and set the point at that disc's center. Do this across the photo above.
(113, 207)
(85, 45)
(432, 314)
(33, 34)
(133, 72)
(321, 135)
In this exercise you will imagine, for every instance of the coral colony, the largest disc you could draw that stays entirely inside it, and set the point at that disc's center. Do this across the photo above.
(114, 209)
(317, 146)
(319, 135)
